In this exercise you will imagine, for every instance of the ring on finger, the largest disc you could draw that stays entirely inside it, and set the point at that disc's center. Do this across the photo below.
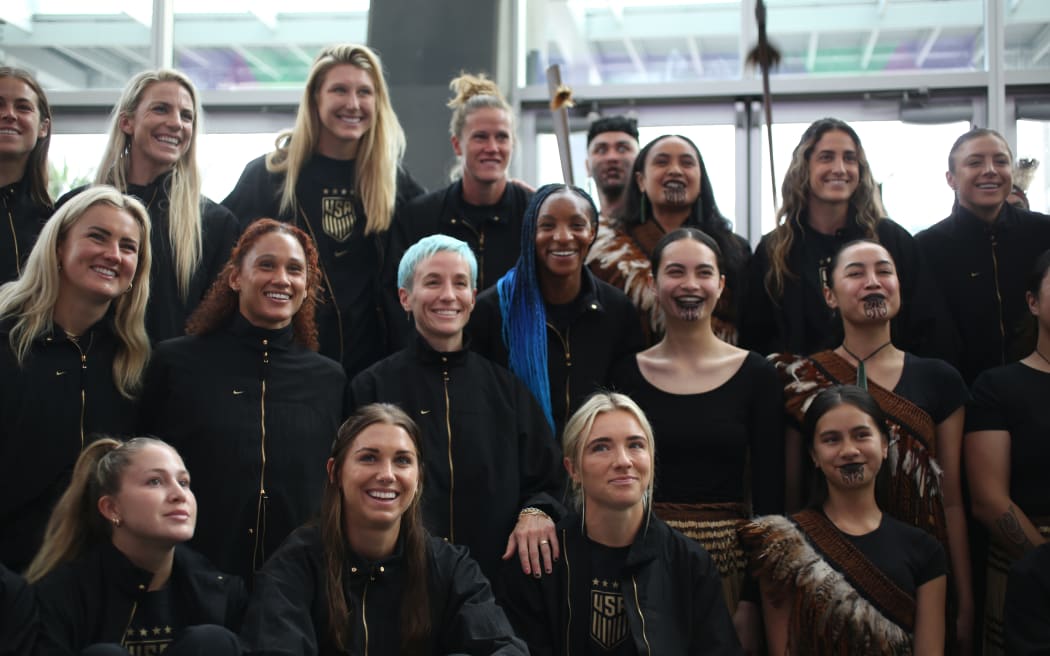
(545, 542)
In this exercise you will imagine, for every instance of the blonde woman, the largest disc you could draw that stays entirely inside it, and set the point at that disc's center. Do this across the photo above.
(482, 207)
(113, 577)
(152, 154)
(337, 175)
(73, 348)
(626, 582)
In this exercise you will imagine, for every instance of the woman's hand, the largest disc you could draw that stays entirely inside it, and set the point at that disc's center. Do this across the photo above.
(535, 541)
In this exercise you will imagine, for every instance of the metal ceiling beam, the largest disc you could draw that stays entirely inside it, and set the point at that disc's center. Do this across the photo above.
(811, 51)
(17, 13)
(869, 49)
(927, 47)
(256, 61)
(695, 55)
(1041, 45)
(96, 63)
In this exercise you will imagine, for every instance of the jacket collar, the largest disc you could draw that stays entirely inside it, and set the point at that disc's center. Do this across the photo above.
(261, 338)
(645, 548)
(103, 327)
(359, 569)
(969, 224)
(425, 353)
(501, 211)
(148, 192)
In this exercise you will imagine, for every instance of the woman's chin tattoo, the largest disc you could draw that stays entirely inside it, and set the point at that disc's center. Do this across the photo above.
(852, 473)
(674, 195)
(875, 307)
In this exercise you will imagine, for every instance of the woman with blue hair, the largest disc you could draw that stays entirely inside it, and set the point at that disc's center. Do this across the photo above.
(549, 320)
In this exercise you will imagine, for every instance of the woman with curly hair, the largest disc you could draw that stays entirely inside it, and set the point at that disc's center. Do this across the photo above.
(73, 349)
(247, 400)
(830, 198)
(337, 175)
(151, 153)
(669, 189)
(368, 578)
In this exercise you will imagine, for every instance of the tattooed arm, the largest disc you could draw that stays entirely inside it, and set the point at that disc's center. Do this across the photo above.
(988, 469)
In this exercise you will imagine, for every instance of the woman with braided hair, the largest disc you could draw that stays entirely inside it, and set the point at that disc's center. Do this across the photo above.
(549, 320)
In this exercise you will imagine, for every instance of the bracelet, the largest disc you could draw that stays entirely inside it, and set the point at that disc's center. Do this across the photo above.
(532, 510)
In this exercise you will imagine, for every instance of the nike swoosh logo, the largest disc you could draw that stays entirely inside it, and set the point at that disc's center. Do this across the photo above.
(424, 412)
(341, 253)
(60, 372)
(974, 274)
(238, 392)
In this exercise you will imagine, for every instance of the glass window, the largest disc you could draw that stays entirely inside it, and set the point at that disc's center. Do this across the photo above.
(1033, 142)
(1027, 34)
(238, 44)
(72, 45)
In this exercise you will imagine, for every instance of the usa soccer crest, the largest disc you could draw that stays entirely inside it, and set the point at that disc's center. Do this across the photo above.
(337, 216)
(608, 619)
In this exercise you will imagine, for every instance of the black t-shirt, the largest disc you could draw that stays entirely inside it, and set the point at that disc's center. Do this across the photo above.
(1013, 398)
(154, 625)
(609, 633)
(711, 445)
(933, 385)
(907, 555)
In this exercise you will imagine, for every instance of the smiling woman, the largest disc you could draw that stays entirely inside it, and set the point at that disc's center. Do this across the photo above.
(25, 137)
(246, 387)
(151, 153)
(369, 579)
(73, 349)
(669, 189)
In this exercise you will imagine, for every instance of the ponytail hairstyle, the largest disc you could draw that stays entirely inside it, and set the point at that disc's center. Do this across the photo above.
(474, 92)
(31, 299)
(378, 154)
(36, 173)
(415, 599)
(522, 308)
(865, 202)
(184, 213)
(76, 523)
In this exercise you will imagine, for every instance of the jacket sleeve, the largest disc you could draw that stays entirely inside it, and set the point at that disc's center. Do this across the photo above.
(154, 395)
(253, 197)
(521, 598)
(473, 622)
(713, 633)
(361, 391)
(19, 620)
(539, 459)
(61, 630)
(223, 228)
(757, 325)
(278, 620)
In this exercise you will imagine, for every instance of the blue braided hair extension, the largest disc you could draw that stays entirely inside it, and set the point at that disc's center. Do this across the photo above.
(522, 308)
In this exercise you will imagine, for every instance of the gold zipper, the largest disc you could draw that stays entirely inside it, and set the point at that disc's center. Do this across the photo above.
(131, 618)
(259, 510)
(568, 590)
(75, 341)
(14, 241)
(999, 298)
(451, 467)
(364, 619)
(480, 254)
(638, 606)
(568, 368)
(327, 282)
